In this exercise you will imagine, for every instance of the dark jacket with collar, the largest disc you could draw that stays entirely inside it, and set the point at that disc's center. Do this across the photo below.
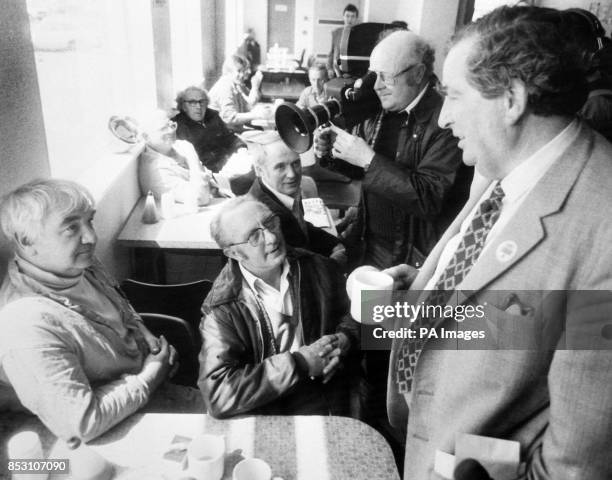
(415, 185)
(315, 239)
(212, 140)
(239, 374)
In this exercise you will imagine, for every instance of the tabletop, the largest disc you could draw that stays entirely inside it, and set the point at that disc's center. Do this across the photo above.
(181, 231)
(186, 231)
(295, 447)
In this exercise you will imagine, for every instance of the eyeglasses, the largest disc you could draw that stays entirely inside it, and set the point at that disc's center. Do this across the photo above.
(193, 103)
(390, 80)
(272, 224)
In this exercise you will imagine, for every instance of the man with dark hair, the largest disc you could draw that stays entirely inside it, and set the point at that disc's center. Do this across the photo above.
(530, 249)
(204, 129)
(350, 14)
(276, 325)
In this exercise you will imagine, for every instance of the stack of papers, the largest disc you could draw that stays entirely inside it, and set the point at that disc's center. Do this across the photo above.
(315, 212)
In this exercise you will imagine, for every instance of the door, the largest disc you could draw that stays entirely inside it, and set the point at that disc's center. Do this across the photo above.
(281, 24)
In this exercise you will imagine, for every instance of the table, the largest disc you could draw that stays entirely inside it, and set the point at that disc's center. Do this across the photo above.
(183, 231)
(287, 85)
(296, 447)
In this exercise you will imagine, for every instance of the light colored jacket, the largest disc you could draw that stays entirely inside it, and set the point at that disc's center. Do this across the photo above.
(552, 392)
(66, 364)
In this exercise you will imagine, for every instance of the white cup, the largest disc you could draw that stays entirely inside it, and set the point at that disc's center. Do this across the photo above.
(87, 464)
(252, 469)
(205, 456)
(367, 278)
(26, 446)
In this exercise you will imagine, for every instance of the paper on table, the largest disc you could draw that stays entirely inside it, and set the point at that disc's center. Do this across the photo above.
(501, 458)
(315, 212)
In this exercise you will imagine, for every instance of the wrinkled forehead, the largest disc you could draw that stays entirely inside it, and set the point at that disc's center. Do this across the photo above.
(194, 94)
(243, 219)
(394, 53)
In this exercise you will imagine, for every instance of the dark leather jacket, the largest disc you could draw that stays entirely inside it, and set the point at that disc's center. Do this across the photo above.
(238, 372)
(415, 185)
(316, 239)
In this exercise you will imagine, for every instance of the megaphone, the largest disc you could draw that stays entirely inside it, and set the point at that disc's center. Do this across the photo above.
(350, 101)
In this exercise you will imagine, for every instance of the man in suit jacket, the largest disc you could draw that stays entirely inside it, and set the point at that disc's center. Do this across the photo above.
(350, 14)
(534, 238)
(278, 186)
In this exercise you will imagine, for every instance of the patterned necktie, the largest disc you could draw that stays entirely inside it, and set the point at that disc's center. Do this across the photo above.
(457, 269)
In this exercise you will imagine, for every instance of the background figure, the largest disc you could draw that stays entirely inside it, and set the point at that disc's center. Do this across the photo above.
(350, 15)
(315, 94)
(585, 30)
(249, 49)
(276, 326)
(73, 351)
(278, 186)
(231, 97)
(204, 129)
(170, 165)
(524, 251)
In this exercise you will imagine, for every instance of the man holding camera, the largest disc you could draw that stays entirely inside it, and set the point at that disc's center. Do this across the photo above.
(414, 181)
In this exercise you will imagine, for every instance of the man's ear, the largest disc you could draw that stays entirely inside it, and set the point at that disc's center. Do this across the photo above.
(231, 252)
(515, 102)
(257, 169)
(419, 74)
(24, 246)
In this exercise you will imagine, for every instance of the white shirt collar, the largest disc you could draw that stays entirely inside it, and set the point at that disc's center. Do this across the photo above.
(524, 176)
(254, 281)
(414, 103)
(286, 200)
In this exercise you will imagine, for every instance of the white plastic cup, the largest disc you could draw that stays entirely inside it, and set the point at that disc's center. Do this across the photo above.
(205, 457)
(252, 469)
(367, 278)
(86, 464)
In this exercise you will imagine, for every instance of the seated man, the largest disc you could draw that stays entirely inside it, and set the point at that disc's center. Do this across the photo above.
(72, 349)
(170, 165)
(204, 129)
(315, 94)
(275, 324)
(279, 177)
(234, 101)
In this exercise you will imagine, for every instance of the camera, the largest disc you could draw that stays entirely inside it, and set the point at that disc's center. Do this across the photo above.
(351, 97)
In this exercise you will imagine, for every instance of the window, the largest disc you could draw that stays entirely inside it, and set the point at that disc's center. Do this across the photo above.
(94, 59)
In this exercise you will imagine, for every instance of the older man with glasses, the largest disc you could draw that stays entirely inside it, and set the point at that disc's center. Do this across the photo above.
(275, 326)
(204, 129)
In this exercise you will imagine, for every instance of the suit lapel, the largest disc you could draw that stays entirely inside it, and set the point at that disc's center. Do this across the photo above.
(526, 228)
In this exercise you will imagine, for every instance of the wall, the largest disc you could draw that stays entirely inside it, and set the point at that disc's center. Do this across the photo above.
(23, 150)
(433, 19)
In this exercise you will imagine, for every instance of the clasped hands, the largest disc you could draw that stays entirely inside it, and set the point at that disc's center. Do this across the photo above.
(347, 147)
(323, 357)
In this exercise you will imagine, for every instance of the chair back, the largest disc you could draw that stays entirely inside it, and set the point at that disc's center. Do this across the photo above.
(181, 300)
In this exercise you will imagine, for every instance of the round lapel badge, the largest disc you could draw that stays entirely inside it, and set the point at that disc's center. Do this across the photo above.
(506, 251)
